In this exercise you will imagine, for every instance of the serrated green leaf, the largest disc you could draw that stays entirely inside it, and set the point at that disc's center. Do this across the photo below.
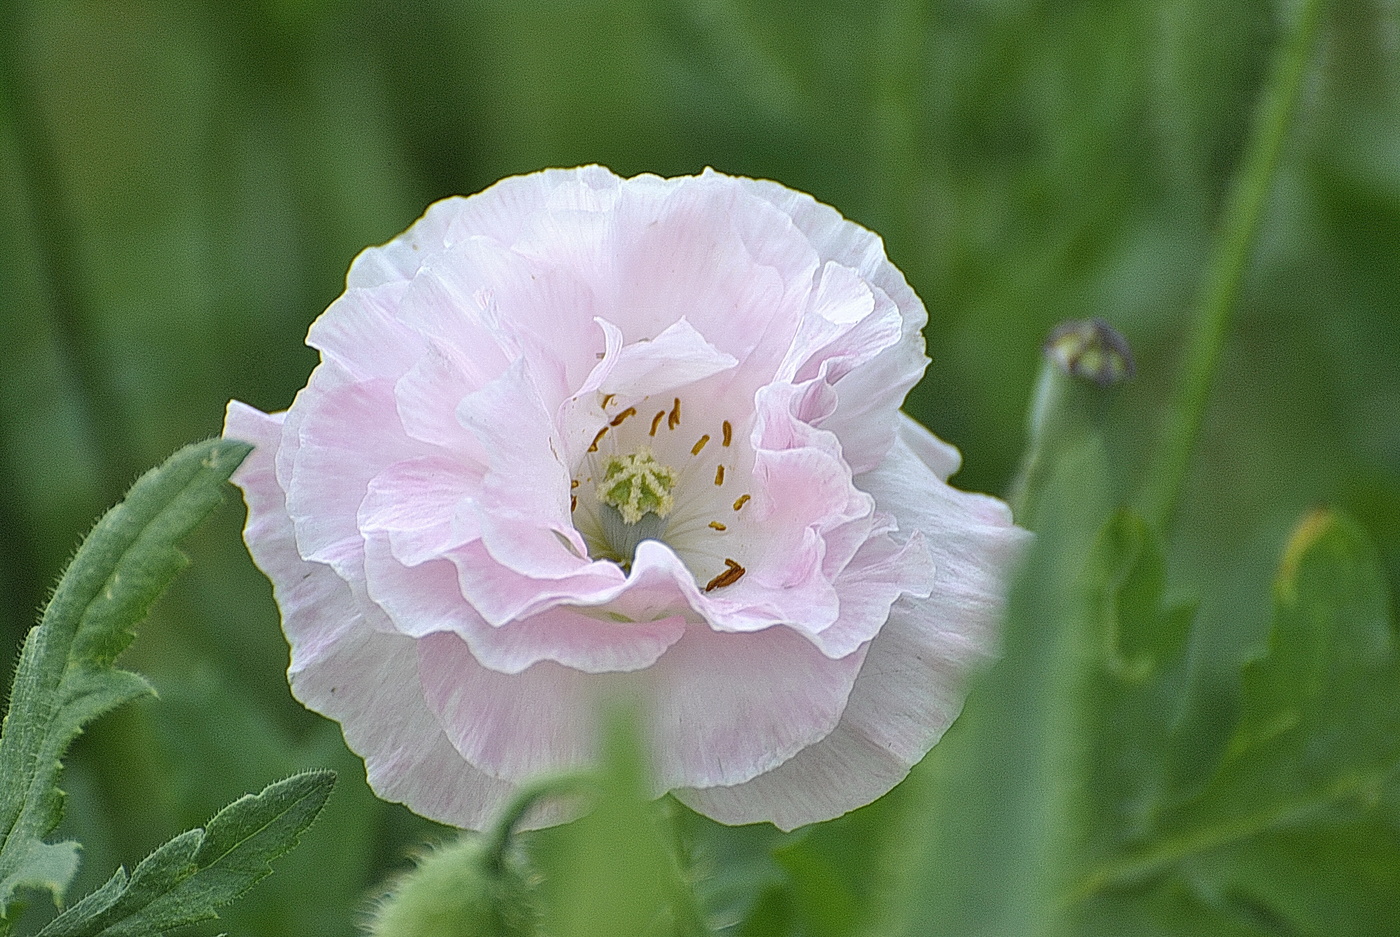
(65, 676)
(189, 878)
(1299, 830)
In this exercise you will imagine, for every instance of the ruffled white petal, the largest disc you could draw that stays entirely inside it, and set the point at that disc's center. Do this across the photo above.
(366, 681)
(800, 637)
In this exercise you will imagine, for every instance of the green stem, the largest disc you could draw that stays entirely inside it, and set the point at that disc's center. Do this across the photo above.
(1172, 850)
(55, 250)
(902, 28)
(1234, 249)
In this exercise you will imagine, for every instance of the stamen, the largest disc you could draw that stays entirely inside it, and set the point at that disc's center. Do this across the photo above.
(733, 572)
(607, 399)
(741, 501)
(593, 446)
(718, 526)
(617, 420)
(674, 419)
(656, 421)
(573, 484)
(699, 444)
(573, 503)
(728, 433)
(719, 474)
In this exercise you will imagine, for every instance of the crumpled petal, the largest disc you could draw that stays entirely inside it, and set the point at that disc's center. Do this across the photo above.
(798, 604)
(366, 681)
(911, 686)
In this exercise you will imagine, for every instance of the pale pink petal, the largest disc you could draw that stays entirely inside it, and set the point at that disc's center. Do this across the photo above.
(677, 356)
(419, 505)
(847, 243)
(725, 708)
(866, 417)
(836, 775)
(512, 726)
(360, 332)
(427, 598)
(721, 708)
(427, 397)
(500, 594)
(942, 458)
(398, 260)
(540, 313)
(348, 434)
(877, 576)
(341, 669)
(799, 632)
(909, 691)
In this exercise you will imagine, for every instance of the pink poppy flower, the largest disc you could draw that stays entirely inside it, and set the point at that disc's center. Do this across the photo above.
(580, 434)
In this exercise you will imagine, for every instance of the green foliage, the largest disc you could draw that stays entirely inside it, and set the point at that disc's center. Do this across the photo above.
(1298, 829)
(185, 880)
(65, 676)
(481, 884)
(1082, 793)
(182, 185)
(616, 870)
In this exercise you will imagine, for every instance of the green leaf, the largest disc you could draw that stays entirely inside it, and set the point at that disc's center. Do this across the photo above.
(1298, 831)
(185, 880)
(65, 676)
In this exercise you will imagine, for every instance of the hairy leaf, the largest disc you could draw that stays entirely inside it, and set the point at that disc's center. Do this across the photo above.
(188, 878)
(65, 676)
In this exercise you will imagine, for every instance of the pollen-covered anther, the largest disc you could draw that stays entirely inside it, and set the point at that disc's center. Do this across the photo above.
(699, 444)
(718, 526)
(617, 420)
(728, 430)
(719, 474)
(656, 421)
(733, 572)
(741, 501)
(593, 446)
(637, 484)
(674, 419)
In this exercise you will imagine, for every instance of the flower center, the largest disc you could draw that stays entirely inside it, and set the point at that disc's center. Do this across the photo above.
(661, 478)
(637, 484)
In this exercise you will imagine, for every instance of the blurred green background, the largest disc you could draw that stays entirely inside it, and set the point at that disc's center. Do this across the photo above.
(183, 185)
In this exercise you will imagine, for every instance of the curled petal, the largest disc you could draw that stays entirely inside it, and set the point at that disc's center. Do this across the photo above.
(580, 435)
